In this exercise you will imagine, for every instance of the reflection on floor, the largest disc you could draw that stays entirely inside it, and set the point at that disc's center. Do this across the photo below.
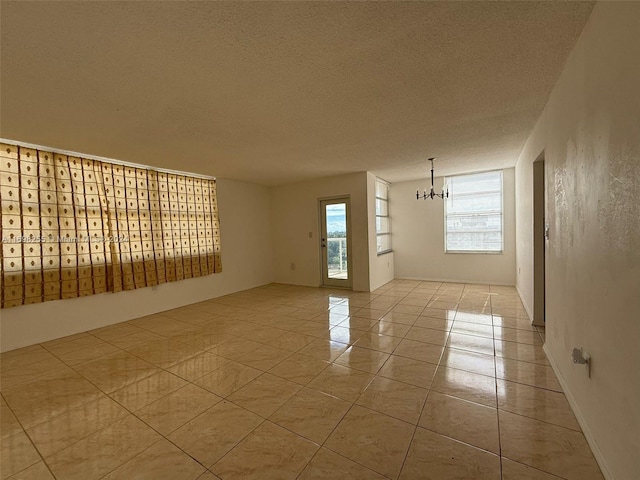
(414, 380)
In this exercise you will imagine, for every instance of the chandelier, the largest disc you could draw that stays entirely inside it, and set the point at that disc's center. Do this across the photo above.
(431, 194)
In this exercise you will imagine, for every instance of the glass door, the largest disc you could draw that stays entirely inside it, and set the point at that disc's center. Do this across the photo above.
(335, 242)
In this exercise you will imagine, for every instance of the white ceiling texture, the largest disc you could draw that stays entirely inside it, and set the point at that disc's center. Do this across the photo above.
(279, 92)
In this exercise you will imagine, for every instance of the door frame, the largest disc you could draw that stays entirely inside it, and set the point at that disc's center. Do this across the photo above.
(540, 238)
(325, 281)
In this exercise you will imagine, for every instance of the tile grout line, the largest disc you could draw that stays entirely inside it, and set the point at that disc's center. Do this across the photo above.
(133, 413)
(495, 367)
(265, 342)
(24, 430)
(322, 445)
(406, 455)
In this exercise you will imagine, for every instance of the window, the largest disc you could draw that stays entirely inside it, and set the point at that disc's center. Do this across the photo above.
(73, 226)
(383, 232)
(473, 213)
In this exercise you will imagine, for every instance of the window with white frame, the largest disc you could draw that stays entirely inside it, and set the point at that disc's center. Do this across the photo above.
(383, 230)
(473, 213)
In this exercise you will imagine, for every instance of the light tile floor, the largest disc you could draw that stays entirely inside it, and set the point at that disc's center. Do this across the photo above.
(415, 380)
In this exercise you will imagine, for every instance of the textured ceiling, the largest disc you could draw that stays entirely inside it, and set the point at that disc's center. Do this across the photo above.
(277, 92)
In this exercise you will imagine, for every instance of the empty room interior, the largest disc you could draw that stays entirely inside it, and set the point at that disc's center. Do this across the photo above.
(320, 240)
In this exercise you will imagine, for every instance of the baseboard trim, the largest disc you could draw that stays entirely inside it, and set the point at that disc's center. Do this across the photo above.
(451, 280)
(524, 304)
(581, 421)
(27, 325)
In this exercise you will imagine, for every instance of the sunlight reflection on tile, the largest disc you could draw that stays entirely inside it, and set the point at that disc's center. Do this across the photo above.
(402, 382)
(483, 319)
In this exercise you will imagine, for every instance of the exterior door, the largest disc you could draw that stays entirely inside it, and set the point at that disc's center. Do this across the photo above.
(335, 242)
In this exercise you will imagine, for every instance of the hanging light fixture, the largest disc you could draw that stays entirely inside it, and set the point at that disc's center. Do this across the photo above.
(431, 194)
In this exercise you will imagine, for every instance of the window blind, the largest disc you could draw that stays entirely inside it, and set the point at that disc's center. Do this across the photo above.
(73, 226)
(473, 213)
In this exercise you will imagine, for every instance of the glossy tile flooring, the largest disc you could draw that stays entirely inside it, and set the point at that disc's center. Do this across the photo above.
(415, 380)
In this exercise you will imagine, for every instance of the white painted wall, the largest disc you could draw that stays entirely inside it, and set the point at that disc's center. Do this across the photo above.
(246, 263)
(381, 267)
(590, 134)
(418, 239)
(295, 214)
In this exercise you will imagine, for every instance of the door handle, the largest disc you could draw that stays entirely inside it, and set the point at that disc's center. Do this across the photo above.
(546, 232)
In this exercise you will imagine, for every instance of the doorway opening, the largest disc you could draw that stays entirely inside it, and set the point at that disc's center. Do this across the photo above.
(540, 237)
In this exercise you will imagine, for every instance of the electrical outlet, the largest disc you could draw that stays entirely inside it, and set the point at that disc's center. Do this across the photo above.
(580, 357)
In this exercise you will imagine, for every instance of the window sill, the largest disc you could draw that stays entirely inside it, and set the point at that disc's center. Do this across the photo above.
(474, 252)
